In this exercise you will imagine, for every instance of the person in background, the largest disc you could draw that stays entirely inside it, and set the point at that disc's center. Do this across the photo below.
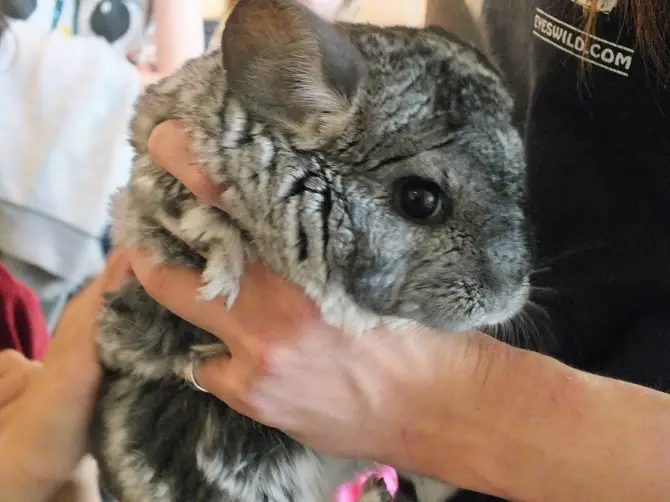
(69, 83)
(178, 35)
(70, 71)
(22, 325)
(157, 36)
(24, 342)
(47, 392)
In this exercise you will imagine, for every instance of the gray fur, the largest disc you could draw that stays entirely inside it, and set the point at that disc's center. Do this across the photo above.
(311, 196)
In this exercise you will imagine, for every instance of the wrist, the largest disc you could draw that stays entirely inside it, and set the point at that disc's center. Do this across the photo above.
(523, 413)
(527, 427)
(440, 410)
(479, 397)
(493, 420)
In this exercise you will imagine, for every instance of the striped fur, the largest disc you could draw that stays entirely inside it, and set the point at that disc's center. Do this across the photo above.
(311, 199)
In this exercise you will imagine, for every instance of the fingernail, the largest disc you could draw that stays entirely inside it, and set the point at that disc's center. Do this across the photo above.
(222, 201)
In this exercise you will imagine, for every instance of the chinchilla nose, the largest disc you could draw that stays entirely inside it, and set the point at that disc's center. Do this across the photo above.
(374, 289)
(506, 260)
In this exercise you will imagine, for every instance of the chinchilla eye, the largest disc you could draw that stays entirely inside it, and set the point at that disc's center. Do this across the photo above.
(421, 201)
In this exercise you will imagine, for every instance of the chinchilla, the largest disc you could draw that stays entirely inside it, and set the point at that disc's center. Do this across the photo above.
(377, 168)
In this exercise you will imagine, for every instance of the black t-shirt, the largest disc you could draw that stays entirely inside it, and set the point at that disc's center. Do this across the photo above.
(597, 131)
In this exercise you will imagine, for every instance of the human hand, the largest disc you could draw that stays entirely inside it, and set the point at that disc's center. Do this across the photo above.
(356, 396)
(16, 372)
(44, 429)
(349, 395)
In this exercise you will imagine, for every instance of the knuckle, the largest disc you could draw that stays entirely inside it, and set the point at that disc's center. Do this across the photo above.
(233, 382)
(153, 279)
(10, 358)
(242, 385)
(237, 388)
(260, 356)
(117, 271)
(155, 142)
(202, 187)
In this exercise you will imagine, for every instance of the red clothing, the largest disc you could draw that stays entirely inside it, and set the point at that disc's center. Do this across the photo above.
(22, 325)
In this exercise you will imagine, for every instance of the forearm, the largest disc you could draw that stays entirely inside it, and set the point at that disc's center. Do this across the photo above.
(594, 438)
(532, 429)
(179, 33)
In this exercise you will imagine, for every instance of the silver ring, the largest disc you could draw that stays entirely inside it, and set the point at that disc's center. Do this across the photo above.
(190, 376)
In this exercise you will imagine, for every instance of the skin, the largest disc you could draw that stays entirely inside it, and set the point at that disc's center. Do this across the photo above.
(463, 408)
(179, 36)
(45, 408)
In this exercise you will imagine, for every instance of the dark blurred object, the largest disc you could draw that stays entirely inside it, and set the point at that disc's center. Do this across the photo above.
(406, 491)
(210, 28)
(17, 9)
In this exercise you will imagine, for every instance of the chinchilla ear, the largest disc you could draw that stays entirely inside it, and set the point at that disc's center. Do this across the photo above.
(292, 68)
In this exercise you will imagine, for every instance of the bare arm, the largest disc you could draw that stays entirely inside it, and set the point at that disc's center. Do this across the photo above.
(475, 7)
(179, 36)
(530, 428)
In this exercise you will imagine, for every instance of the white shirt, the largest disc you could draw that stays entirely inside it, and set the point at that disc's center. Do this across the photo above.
(66, 106)
(124, 24)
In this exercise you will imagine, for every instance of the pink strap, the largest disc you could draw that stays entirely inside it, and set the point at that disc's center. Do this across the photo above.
(350, 492)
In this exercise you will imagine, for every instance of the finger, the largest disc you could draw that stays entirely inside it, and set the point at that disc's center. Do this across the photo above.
(11, 387)
(169, 148)
(231, 381)
(13, 383)
(112, 276)
(11, 361)
(176, 289)
(117, 270)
